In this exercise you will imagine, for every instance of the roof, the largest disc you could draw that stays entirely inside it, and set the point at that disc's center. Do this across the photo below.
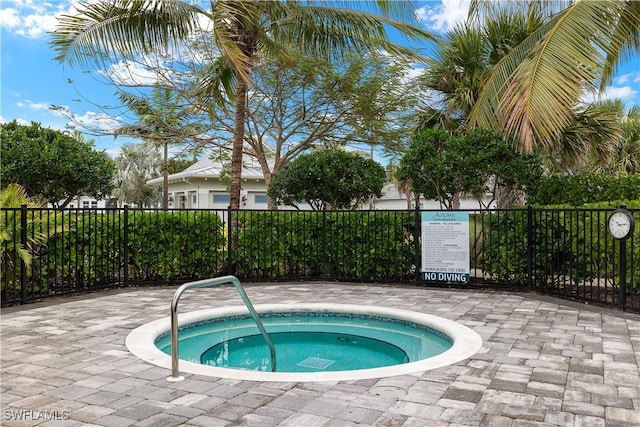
(207, 168)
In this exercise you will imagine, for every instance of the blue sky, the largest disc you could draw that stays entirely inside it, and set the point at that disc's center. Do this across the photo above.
(31, 81)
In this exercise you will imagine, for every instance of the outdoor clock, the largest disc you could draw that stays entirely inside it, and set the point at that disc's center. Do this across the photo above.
(621, 224)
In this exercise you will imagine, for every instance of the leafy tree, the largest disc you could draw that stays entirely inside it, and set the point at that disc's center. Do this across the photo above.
(178, 164)
(52, 165)
(530, 92)
(244, 32)
(441, 166)
(303, 102)
(141, 193)
(509, 174)
(328, 179)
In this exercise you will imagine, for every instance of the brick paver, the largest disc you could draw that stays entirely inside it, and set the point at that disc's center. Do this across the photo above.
(543, 362)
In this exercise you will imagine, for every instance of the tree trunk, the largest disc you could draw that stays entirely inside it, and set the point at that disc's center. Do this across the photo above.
(268, 177)
(455, 201)
(507, 197)
(238, 143)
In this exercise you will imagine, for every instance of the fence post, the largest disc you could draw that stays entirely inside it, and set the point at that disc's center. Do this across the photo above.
(23, 265)
(622, 296)
(125, 249)
(229, 241)
(324, 243)
(417, 236)
(530, 247)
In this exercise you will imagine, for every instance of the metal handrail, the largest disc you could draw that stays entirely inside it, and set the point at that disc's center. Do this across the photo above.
(204, 284)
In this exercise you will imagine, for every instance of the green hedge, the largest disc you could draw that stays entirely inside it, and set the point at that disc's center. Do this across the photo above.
(570, 246)
(577, 190)
(567, 244)
(358, 245)
(178, 245)
(163, 246)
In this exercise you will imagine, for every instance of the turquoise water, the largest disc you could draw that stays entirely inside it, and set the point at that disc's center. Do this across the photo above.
(310, 342)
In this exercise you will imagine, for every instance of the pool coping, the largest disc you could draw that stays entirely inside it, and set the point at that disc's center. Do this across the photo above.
(466, 342)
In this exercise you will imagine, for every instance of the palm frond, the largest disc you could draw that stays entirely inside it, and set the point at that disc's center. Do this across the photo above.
(625, 39)
(592, 135)
(107, 30)
(330, 31)
(485, 111)
(532, 91)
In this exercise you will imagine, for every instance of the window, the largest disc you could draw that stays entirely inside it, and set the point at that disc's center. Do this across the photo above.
(220, 198)
(94, 204)
(85, 204)
(260, 199)
(194, 199)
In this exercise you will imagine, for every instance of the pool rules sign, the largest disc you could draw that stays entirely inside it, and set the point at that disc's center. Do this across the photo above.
(445, 246)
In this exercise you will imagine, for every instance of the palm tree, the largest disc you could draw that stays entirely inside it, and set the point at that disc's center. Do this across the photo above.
(533, 90)
(456, 72)
(243, 31)
(465, 58)
(471, 54)
(402, 185)
(163, 120)
(39, 229)
(589, 141)
(624, 157)
(135, 164)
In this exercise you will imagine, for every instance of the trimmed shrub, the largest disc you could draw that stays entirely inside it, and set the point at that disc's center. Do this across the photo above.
(290, 244)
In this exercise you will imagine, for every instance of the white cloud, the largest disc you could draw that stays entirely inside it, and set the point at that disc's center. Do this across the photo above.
(628, 78)
(9, 18)
(444, 16)
(128, 73)
(32, 19)
(35, 26)
(22, 122)
(95, 122)
(37, 106)
(414, 72)
(90, 121)
(623, 79)
(624, 93)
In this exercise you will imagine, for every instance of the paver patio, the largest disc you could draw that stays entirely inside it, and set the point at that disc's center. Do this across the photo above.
(544, 362)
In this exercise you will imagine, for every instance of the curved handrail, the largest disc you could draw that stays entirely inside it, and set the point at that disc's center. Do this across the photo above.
(204, 284)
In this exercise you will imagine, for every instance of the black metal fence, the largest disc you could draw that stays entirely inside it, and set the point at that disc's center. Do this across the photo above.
(563, 252)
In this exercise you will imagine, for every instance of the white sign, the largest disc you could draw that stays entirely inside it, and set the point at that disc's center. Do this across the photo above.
(445, 246)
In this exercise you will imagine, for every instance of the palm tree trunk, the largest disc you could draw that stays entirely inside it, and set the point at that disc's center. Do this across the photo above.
(238, 143)
(236, 163)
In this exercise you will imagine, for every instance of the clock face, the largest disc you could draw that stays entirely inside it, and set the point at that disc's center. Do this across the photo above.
(620, 224)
